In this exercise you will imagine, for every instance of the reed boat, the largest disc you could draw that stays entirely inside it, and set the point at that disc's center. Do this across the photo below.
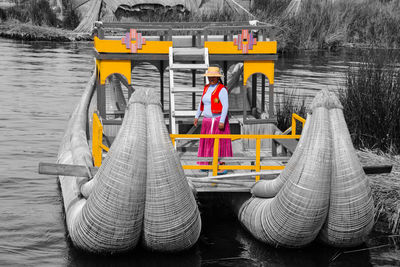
(127, 164)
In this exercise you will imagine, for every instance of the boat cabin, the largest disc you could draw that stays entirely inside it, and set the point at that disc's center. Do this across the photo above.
(245, 53)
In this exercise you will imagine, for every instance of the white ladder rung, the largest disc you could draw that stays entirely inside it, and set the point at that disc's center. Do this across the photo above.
(189, 66)
(188, 51)
(186, 89)
(184, 113)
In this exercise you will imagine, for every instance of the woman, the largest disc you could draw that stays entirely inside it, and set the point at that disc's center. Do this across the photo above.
(214, 105)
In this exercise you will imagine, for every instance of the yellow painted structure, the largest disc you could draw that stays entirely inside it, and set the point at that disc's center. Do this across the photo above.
(294, 118)
(214, 167)
(98, 147)
(116, 46)
(265, 67)
(107, 67)
(230, 48)
(97, 141)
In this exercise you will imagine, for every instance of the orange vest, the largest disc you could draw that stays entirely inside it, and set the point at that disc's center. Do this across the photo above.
(216, 106)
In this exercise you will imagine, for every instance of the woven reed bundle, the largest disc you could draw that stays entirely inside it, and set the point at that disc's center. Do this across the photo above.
(269, 188)
(171, 219)
(250, 215)
(72, 143)
(114, 95)
(351, 209)
(111, 220)
(294, 217)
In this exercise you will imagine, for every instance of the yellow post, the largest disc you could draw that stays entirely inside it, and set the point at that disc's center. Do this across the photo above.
(293, 125)
(215, 156)
(258, 157)
(97, 139)
(173, 141)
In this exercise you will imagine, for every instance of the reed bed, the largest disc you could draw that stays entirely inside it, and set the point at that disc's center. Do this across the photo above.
(288, 103)
(38, 12)
(385, 190)
(371, 101)
(329, 24)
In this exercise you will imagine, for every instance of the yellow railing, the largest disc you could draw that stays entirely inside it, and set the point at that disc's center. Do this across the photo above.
(98, 147)
(257, 167)
(215, 166)
(294, 118)
(97, 141)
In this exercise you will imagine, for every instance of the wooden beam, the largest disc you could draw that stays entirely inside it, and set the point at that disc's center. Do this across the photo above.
(259, 121)
(269, 175)
(262, 93)
(254, 93)
(83, 171)
(101, 98)
(271, 101)
(221, 25)
(378, 169)
(66, 169)
(162, 84)
(228, 159)
(78, 3)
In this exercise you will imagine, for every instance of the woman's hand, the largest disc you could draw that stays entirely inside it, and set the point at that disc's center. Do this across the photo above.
(221, 126)
(195, 121)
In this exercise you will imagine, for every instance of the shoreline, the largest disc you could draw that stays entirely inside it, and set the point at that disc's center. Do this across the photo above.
(29, 32)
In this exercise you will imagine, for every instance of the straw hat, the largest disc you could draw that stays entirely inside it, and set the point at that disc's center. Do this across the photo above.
(213, 72)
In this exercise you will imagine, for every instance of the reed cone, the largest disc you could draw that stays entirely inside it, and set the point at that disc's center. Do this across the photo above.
(111, 220)
(295, 216)
(351, 210)
(171, 219)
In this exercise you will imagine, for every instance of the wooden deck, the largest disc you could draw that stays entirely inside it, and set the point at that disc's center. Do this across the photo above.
(204, 181)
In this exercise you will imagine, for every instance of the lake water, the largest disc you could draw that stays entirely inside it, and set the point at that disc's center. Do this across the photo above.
(40, 83)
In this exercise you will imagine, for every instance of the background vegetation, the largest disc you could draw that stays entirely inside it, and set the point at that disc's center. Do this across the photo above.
(371, 101)
(39, 12)
(287, 104)
(326, 24)
(319, 24)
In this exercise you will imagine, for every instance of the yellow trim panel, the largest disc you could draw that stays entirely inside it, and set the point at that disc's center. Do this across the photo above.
(230, 48)
(116, 46)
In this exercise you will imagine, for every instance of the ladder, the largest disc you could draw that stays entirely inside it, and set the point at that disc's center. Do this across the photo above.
(184, 54)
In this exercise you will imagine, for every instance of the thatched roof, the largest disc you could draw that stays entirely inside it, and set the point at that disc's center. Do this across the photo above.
(105, 10)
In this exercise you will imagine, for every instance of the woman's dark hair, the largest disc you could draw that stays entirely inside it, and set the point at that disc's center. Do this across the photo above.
(220, 80)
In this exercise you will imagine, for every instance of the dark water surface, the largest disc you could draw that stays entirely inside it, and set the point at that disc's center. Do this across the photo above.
(40, 83)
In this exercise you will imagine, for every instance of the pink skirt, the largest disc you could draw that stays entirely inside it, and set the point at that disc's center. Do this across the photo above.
(206, 146)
